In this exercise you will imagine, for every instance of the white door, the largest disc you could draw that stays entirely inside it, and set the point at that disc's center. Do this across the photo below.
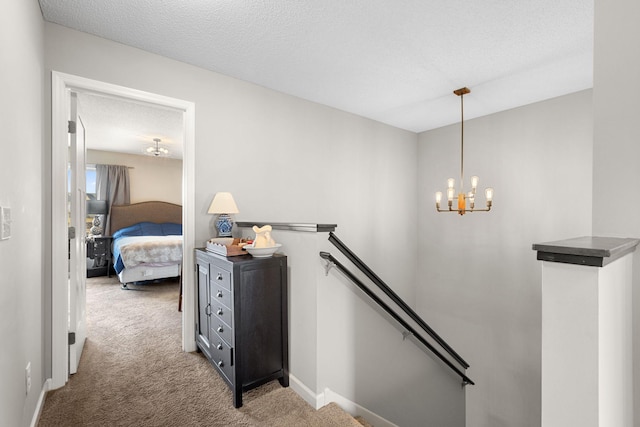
(77, 238)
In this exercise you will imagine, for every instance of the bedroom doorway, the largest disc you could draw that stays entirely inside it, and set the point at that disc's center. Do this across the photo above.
(62, 86)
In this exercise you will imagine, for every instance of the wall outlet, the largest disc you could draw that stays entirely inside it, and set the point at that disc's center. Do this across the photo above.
(27, 377)
(5, 223)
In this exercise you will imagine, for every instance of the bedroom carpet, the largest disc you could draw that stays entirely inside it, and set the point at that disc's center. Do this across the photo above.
(133, 373)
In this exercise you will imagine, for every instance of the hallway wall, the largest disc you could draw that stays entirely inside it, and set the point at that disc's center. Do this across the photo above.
(480, 283)
(23, 188)
(284, 159)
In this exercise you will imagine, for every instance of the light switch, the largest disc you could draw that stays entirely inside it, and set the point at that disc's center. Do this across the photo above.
(5, 223)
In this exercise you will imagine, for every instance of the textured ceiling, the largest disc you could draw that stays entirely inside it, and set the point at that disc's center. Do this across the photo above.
(114, 124)
(392, 61)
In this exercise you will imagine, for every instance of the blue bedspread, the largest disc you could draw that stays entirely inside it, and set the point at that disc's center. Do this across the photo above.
(142, 229)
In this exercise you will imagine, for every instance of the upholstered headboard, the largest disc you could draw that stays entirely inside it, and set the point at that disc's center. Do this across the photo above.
(158, 212)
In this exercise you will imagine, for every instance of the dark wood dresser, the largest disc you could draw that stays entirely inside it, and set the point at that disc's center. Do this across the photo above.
(241, 324)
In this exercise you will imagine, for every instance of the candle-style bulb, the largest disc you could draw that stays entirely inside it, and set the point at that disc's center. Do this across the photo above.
(451, 192)
(488, 193)
(438, 197)
(451, 183)
(474, 182)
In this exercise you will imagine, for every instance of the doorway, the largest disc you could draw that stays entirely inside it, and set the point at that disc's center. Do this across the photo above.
(62, 85)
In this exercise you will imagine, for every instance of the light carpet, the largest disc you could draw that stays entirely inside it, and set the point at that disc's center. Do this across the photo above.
(134, 373)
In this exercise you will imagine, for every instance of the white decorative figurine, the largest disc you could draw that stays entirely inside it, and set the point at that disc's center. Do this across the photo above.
(263, 237)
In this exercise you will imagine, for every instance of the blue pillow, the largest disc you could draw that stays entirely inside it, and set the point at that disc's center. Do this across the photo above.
(171, 229)
(150, 229)
(132, 230)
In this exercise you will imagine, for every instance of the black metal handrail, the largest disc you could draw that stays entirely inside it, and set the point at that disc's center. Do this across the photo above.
(395, 298)
(330, 258)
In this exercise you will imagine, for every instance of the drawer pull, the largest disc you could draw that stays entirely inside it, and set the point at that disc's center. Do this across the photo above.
(219, 277)
(207, 310)
(219, 294)
(220, 328)
(219, 312)
(221, 363)
(219, 346)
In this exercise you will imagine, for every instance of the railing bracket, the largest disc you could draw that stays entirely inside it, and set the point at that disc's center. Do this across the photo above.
(327, 267)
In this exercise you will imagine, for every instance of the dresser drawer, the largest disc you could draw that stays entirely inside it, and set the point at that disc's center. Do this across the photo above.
(220, 277)
(219, 294)
(222, 329)
(221, 357)
(220, 312)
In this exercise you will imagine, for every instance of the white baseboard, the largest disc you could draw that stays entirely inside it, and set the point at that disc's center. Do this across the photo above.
(356, 410)
(315, 400)
(328, 396)
(36, 414)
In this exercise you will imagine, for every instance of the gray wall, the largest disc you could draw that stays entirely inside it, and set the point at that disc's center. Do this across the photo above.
(151, 178)
(22, 188)
(285, 160)
(480, 282)
(540, 169)
(616, 91)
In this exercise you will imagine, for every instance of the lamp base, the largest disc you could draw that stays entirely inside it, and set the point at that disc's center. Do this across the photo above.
(224, 225)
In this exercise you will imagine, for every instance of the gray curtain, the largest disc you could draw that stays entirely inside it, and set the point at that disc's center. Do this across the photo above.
(112, 185)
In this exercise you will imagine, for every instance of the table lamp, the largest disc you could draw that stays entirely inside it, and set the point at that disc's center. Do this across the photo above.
(223, 205)
(97, 208)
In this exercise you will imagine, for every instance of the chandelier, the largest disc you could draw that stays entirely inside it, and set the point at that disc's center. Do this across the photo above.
(451, 183)
(156, 150)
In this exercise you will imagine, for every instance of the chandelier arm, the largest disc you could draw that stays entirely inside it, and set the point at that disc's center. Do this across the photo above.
(463, 210)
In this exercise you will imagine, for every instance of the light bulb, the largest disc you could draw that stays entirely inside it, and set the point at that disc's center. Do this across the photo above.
(474, 182)
(488, 193)
(450, 193)
(438, 197)
(451, 183)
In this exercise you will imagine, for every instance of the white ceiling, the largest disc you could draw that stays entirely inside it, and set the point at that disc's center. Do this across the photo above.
(392, 61)
(125, 126)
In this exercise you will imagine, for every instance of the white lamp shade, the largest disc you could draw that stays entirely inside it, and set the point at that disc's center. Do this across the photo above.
(223, 203)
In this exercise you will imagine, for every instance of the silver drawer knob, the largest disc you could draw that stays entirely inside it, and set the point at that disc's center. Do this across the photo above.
(220, 329)
(219, 346)
(219, 312)
(219, 277)
(221, 363)
(219, 294)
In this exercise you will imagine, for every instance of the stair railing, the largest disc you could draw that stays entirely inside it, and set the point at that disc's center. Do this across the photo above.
(332, 261)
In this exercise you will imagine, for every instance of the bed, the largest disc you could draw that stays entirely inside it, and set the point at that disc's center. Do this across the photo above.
(147, 241)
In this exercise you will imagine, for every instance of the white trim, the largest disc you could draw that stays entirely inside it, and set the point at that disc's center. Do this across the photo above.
(61, 84)
(315, 400)
(40, 403)
(189, 301)
(356, 410)
(59, 249)
(328, 396)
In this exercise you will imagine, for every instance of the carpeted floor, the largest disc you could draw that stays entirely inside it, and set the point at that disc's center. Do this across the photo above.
(133, 373)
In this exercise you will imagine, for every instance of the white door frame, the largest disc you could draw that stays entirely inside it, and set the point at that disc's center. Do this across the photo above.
(61, 85)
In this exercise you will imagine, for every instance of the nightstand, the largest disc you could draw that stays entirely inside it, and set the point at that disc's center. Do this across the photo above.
(99, 250)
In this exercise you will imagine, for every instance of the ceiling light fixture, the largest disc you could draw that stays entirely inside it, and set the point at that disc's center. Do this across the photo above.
(451, 183)
(156, 150)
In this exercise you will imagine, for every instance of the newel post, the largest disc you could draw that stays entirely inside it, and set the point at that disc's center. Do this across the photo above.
(587, 368)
